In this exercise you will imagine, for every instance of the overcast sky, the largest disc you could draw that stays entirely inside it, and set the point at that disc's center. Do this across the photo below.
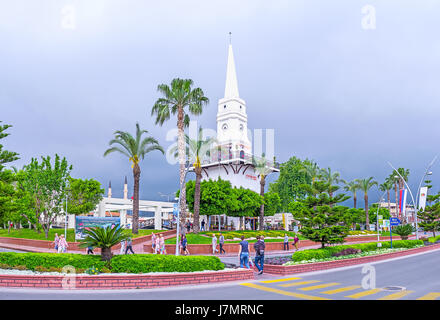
(337, 84)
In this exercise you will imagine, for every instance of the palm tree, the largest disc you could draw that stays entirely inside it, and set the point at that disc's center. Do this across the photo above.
(311, 169)
(196, 149)
(175, 99)
(387, 186)
(352, 186)
(365, 185)
(135, 149)
(262, 170)
(331, 178)
(104, 238)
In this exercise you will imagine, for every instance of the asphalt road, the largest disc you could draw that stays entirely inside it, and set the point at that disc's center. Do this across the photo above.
(413, 277)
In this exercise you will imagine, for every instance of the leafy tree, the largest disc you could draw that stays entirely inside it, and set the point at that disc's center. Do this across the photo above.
(373, 213)
(365, 185)
(272, 203)
(180, 99)
(5, 155)
(430, 217)
(46, 185)
(311, 169)
(84, 195)
(321, 219)
(245, 203)
(135, 149)
(330, 178)
(104, 238)
(293, 176)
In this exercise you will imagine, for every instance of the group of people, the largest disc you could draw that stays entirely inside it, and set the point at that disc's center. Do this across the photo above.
(259, 248)
(126, 245)
(158, 244)
(60, 243)
(294, 243)
(221, 242)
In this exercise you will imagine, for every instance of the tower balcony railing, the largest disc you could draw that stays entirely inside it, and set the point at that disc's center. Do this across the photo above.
(237, 156)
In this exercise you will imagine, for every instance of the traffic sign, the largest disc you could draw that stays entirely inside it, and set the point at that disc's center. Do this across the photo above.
(394, 221)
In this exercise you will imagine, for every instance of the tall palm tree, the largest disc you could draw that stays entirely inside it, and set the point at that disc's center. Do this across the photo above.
(197, 149)
(134, 148)
(331, 178)
(352, 187)
(311, 169)
(365, 185)
(179, 99)
(262, 171)
(387, 186)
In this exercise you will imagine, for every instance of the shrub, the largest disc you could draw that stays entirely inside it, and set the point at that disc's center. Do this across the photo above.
(404, 230)
(4, 266)
(48, 260)
(19, 268)
(358, 227)
(346, 252)
(327, 252)
(41, 269)
(144, 263)
(434, 239)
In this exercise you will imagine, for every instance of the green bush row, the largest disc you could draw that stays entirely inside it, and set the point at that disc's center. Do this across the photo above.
(327, 252)
(139, 263)
(144, 263)
(434, 239)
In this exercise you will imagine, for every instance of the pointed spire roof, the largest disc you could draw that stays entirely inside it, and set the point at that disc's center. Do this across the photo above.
(231, 88)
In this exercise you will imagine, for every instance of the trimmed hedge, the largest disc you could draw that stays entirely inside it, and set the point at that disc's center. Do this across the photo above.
(327, 252)
(50, 260)
(144, 263)
(434, 239)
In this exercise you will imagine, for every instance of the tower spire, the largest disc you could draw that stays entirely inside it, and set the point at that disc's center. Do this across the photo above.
(231, 87)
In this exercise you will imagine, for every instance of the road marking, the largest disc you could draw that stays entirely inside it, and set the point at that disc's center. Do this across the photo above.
(298, 283)
(363, 293)
(341, 289)
(430, 296)
(279, 280)
(286, 293)
(396, 295)
(319, 286)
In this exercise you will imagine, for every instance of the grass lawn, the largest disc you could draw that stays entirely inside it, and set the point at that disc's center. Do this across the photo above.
(32, 234)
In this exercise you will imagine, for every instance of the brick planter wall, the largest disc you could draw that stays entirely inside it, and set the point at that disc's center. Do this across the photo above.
(300, 268)
(126, 281)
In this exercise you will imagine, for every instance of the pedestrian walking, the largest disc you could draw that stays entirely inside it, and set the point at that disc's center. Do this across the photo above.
(122, 247)
(295, 242)
(62, 244)
(214, 244)
(157, 246)
(243, 254)
(188, 226)
(129, 246)
(56, 241)
(203, 226)
(153, 242)
(221, 241)
(286, 242)
(162, 244)
(90, 250)
(184, 245)
(259, 247)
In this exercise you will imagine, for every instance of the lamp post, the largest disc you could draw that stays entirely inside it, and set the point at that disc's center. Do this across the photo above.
(414, 203)
(427, 173)
(65, 222)
(178, 207)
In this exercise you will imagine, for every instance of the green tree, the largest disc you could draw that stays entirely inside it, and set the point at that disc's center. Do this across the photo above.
(429, 218)
(245, 203)
(291, 179)
(182, 100)
(330, 178)
(352, 187)
(365, 185)
(321, 219)
(5, 155)
(83, 195)
(135, 149)
(395, 179)
(262, 170)
(196, 150)
(387, 186)
(46, 184)
(272, 203)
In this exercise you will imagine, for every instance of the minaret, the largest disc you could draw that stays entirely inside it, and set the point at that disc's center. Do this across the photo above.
(231, 114)
(125, 189)
(109, 189)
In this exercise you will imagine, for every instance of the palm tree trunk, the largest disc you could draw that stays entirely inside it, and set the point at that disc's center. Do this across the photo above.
(136, 178)
(181, 149)
(262, 183)
(367, 216)
(354, 200)
(197, 200)
(106, 254)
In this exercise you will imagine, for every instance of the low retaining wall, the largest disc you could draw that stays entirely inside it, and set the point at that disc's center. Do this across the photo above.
(123, 282)
(270, 246)
(309, 267)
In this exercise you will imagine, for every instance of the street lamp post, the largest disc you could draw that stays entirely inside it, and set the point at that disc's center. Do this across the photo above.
(414, 203)
(178, 207)
(427, 173)
(65, 222)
